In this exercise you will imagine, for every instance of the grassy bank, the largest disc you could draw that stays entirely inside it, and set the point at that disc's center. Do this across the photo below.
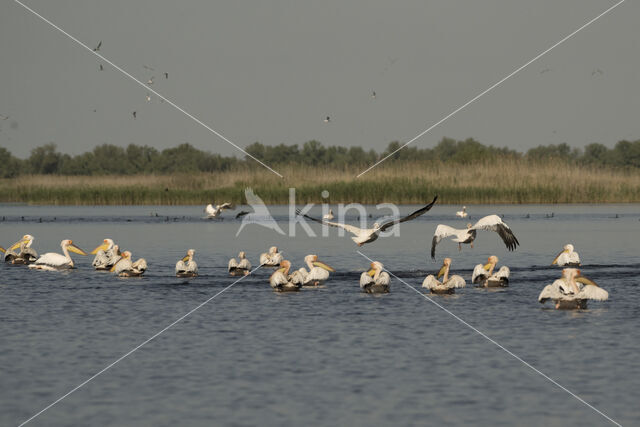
(514, 182)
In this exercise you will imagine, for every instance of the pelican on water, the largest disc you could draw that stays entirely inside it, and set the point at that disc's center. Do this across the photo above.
(572, 291)
(462, 213)
(125, 268)
(367, 235)
(448, 284)
(568, 257)
(375, 281)
(106, 255)
(239, 267)
(468, 235)
(484, 276)
(318, 271)
(273, 258)
(187, 267)
(26, 254)
(281, 281)
(52, 261)
(215, 212)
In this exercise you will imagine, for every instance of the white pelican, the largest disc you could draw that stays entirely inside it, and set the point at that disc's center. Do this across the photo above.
(329, 216)
(125, 268)
(107, 254)
(375, 281)
(273, 258)
(484, 276)
(572, 291)
(240, 267)
(215, 212)
(318, 271)
(52, 261)
(468, 235)
(448, 284)
(26, 254)
(281, 281)
(367, 235)
(462, 213)
(187, 267)
(568, 257)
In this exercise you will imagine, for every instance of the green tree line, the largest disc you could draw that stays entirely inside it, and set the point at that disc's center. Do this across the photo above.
(110, 159)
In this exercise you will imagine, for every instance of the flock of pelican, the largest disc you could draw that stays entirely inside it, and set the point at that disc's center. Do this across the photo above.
(570, 291)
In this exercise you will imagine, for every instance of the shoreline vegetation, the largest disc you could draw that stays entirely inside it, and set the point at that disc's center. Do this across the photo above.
(460, 172)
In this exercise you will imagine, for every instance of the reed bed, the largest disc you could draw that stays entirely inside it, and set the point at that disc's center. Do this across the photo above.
(510, 182)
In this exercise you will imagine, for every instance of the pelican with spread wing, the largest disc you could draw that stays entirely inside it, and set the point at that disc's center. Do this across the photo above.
(215, 212)
(468, 235)
(484, 276)
(448, 284)
(368, 235)
(376, 280)
(273, 258)
(25, 255)
(52, 261)
(106, 255)
(186, 266)
(572, 291)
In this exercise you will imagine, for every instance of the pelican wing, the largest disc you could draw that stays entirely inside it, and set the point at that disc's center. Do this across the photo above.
(232, 264)
(350, 228)
(383, 278)
(244, 264)
(181, 266)
(140, 266)
(442, 231)
(365, 279)
(278, 279)
(494, 223)
(226, 205)
(409, 217)
(52, 259)
(593, 292)
(430, 282)
(551, 291)
(456, 281)
(503, 273)
(317, 273)
(479, 274)
(210, 210)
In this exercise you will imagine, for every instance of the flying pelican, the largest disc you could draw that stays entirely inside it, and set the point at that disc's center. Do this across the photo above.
(150, 81)
(484, 276)
(187, 267)
(318, 271)
(568, 257)
(375, 281)
(215, 212)
(26, 254)
(329, 216)
(97, 48)
(367, 235)
(52, 261)
(572, 291)
(448, 284)
(272, 258)
(125, 268)
(281, 281)
(490, 222)
(106, 255)
(241, 267)
(462, 213)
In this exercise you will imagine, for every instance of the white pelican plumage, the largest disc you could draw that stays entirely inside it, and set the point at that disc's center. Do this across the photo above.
(367, 235)
(187, 267)
(572, 291)
(106, 255)
(462, 213)
(273, 258)
(52, 261)
(25, 255)
(448, 284)
(329, 216)
(125, 268)
(239, 267)
(215, 212)
(375, 281)
(318, 271)
(484, 276)
(281, 281)
(568, 257)
(468, 235)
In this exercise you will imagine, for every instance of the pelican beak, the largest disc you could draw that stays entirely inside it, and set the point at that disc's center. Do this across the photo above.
(281, 270)
(17, 244)
(323, 266)
(586, 281)
(2, 249)
(74, 248)
(441, 272)
(555, 261)
(102, 247)
(371, 272)
(487, 266)
(113, 268)
(186, 257)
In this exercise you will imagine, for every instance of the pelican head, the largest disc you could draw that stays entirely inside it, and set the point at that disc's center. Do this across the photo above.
(68, 244)
(376, 267)
(565, 250)
(106, 245)
(242, 255)
(273, 250)
(189, 255)
(568, 247)
(576, 275)
(314, 261)
(469, 225)
(26, 240)
(446, 263)
(285, 266)
(330, 211)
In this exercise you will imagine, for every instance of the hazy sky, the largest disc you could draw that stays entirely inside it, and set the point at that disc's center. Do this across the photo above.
(270, 71)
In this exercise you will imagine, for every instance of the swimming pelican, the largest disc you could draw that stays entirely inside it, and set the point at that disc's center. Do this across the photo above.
(484, 276)
(568, 257)
(318, 271)
(281, 281)
(215, 212)
(52, 261)
(125, 268)
(367, 235)
(187, 267)
(241, 267)
(329, 216)
(106, 255)
(273, 258)
(375, 281)
(468, 235)
(572, 291)
(462, 213)
(448, 284)
(26, 254)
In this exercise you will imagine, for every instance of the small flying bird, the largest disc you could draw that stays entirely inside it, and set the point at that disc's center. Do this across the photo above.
(327, 120)
(166, 75)
(546, 70)
(97, 48)
(148, 98)
(373, 94)
(146, 67)
(134, 115)
(150, 81)
(3, 117)
(101, 67)
(597, 71)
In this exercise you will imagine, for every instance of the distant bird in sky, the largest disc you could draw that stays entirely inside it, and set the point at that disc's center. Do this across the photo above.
(101, 67)
(97, 48)
(327, 120)
(135, 113)
(148, 98)
(166, 75)
(3, 117)
(373, 94)
(546, 70)
(150, 81)
(146, 67)
(597, 71)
